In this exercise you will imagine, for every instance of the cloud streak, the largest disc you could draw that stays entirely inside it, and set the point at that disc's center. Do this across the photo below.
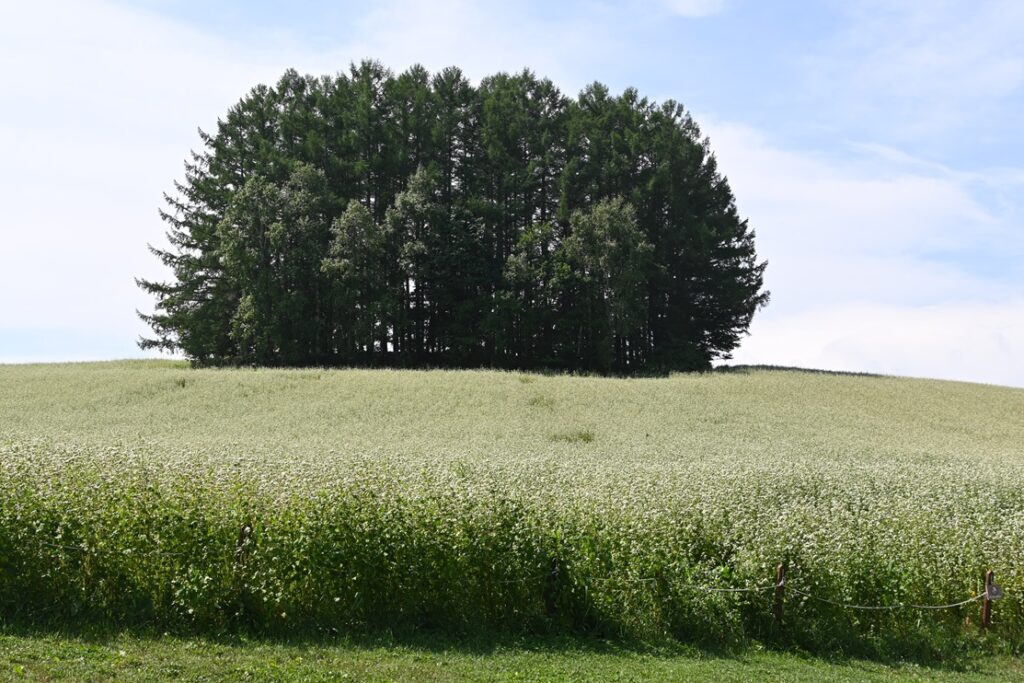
(695, 8)
(975, 340)
(856, 266)
(914, 72)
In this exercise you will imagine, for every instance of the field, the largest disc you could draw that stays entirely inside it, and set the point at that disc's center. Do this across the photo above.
(147, 495)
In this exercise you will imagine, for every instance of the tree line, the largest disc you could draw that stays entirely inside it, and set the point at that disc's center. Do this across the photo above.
(369, 218)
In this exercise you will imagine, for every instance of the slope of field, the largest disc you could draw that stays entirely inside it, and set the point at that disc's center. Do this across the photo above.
(199, 500)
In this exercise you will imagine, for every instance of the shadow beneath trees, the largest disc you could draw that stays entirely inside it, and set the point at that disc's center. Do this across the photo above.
(748, 369)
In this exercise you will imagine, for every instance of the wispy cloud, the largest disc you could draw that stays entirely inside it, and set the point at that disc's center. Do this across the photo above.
(815, 211)
(855, 248)
(973, 340)
(917, 69)
(695, 8)
(484, 38)
(94, 128)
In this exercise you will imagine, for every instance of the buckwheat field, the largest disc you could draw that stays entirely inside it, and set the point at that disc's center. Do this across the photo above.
(341, 501)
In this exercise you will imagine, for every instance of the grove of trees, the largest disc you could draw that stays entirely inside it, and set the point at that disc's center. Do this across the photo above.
(419, 220)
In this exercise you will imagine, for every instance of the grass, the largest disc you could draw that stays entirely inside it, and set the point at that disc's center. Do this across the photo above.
(128, 657)
(449, 502)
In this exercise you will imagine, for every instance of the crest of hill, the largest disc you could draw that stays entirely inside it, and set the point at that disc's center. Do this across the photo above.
(734, 414)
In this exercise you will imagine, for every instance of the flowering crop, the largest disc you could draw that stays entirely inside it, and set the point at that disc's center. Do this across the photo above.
(281, 500)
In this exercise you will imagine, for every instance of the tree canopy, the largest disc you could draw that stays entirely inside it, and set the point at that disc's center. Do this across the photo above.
(418, 220)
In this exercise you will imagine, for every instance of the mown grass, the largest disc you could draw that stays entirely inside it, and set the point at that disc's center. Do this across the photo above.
(449, 502)
(131, 657)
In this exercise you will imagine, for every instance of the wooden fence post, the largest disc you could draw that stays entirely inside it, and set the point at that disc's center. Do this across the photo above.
(243, 550)
(986, 603)
(780, 586)
(242, 547)
(551, 588)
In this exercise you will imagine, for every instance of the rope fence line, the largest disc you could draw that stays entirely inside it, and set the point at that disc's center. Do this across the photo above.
(747, 589)
(898, 605)
(690, 586)
(991, 593)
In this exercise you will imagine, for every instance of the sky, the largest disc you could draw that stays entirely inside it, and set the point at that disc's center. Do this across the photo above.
(875, 148)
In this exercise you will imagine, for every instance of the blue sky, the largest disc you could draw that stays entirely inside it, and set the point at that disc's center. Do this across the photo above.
(874, 146)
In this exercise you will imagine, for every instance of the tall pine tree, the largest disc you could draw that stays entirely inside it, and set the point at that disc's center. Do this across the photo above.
(414, 219)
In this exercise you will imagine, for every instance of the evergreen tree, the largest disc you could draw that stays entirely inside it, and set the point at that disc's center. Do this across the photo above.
(607, 264)
(358, 265)
(531, 297)
(369, 218)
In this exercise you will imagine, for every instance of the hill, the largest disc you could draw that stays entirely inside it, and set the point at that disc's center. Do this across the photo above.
(446, 501)
(747, 416)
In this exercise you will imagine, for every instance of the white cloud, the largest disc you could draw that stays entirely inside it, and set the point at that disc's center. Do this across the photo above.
(95, 126)
(976, 341)
(842, 230)
(482, 39)
(695, 8)
(855, 282)
(920, 69)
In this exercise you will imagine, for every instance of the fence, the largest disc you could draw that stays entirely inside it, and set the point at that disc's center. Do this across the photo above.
(992, 592)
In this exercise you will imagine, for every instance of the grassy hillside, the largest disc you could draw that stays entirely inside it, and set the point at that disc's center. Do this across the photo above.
(457, 501)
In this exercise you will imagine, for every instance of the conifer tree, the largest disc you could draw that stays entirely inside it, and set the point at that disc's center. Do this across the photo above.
(373, 218)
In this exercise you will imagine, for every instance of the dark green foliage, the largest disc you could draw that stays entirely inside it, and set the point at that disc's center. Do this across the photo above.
(369, 218)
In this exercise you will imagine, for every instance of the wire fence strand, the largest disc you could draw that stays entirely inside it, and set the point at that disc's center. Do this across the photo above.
(895, 606)
(609, 579)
